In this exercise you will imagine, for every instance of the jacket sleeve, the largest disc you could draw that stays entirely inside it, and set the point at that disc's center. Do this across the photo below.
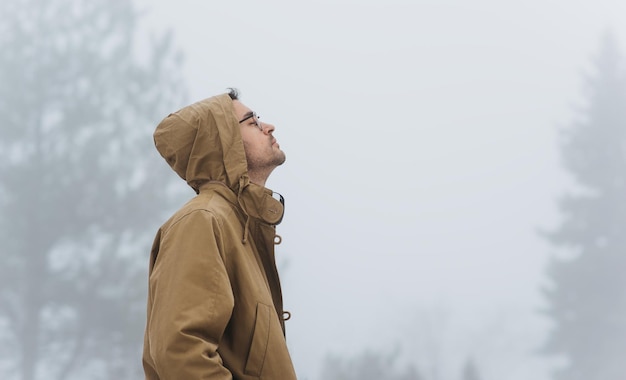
(192, 300)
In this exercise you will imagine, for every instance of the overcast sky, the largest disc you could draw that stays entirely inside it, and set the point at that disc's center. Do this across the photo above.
(422, 158)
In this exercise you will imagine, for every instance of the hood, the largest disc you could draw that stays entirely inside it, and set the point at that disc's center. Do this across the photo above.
(202, 142)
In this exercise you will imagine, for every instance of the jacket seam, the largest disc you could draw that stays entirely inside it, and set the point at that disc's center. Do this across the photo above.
(181, 217)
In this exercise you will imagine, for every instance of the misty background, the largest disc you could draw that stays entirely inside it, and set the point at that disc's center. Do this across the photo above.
(454, 184)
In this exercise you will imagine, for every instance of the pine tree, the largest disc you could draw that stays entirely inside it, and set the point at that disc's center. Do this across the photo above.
(81, 189)
(586, 297)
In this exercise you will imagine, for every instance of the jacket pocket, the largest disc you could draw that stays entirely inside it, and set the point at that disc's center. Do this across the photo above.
(260, 339)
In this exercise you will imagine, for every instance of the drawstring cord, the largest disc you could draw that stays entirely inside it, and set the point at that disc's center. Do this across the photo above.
(243, 183)
(247, 224)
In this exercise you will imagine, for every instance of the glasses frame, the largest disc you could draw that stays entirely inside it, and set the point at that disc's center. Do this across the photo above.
(255, 117)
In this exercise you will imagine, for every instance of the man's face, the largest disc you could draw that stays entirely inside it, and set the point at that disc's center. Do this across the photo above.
(262, 150)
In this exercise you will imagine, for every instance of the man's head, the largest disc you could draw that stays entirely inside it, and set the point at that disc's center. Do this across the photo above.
(218, 139)
(263, 153)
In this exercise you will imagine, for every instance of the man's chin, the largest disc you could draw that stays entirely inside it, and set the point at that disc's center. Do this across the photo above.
(281, 158)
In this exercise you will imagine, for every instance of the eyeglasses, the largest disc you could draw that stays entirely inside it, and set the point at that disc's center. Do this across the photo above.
(255, 118)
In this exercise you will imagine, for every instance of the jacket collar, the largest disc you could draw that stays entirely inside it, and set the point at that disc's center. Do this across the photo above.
(256, 201)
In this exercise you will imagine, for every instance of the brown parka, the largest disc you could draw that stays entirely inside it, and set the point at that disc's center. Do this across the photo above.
(214, 304)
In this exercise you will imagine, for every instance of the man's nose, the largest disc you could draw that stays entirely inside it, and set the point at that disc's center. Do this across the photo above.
(268, 128)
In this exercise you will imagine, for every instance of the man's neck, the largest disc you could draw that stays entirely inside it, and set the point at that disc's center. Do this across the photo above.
(257, 179)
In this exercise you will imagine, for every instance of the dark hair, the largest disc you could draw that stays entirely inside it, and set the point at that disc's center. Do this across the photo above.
(233, 93)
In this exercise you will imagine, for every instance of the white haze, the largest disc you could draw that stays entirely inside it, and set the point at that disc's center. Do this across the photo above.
(422, 145)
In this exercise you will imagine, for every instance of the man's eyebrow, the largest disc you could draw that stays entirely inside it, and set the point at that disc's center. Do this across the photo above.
(246, 116)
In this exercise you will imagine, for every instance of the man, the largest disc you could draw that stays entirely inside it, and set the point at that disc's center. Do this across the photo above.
(214, 303)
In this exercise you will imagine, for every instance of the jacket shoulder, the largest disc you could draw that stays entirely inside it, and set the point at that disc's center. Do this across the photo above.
(211, 206)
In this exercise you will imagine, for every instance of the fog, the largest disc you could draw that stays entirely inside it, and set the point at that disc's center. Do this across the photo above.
(424, 159)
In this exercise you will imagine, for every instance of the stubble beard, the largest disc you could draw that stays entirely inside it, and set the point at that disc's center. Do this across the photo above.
(280, 158)
(264, 164)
